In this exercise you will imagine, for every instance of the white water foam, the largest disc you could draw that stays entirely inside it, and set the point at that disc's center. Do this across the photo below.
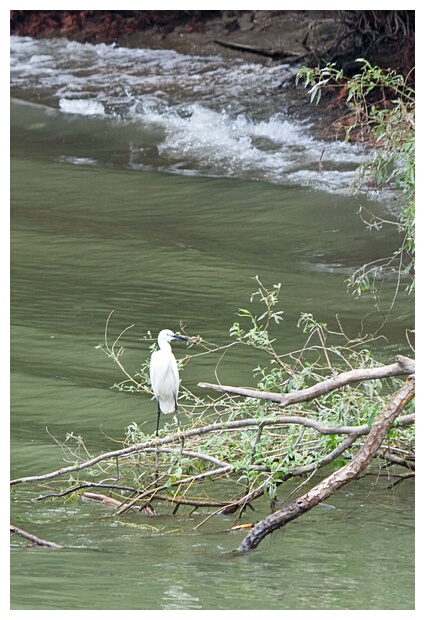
(86, 107)
(277, 150)
(215, 116)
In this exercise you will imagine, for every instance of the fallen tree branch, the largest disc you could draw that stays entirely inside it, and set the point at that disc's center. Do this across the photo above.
(195, 503)
(248, 392)
(225, 506)
(115, 503)
(148, 446)
(158, 488)
(402, 366)
(151, 493)
(274, 54)
(297, 471)
(391, 458)
(353, 433)
(88, 485)
(155, 445)
(34, 539)
(339, 478)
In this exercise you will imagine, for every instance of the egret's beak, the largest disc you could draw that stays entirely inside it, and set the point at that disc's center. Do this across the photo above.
(181, 338)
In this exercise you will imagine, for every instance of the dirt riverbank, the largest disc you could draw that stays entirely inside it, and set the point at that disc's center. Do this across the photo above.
(385, 38)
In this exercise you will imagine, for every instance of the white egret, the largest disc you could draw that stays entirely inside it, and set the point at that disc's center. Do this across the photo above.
(164, 374)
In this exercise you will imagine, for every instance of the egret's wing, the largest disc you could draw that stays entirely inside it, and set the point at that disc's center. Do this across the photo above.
(164, 377)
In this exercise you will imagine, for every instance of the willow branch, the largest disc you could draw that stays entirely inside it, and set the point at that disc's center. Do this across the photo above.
(342, 476)
(297, 471)
(154, 445)
(402, 366)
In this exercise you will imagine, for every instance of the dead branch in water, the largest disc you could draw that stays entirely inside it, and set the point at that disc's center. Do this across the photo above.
(40, 542)
(246, 443)
(339, 478)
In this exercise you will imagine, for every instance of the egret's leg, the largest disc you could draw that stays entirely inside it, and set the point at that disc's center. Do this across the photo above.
(157, 422)
(157, 432)
(178, 427)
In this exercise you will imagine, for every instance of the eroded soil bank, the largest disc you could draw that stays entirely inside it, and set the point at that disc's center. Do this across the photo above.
(385, 38)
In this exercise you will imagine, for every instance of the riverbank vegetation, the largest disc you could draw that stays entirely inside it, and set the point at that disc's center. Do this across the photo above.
(380, 108)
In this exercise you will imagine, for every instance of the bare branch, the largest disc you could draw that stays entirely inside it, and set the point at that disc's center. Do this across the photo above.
(248, 392)
(34, 539)
(403, 366)
(88, 485)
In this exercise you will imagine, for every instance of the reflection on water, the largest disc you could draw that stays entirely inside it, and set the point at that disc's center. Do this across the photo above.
(327, 560)
(176, 598)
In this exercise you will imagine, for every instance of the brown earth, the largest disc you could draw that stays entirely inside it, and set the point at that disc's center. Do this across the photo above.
(385, 38)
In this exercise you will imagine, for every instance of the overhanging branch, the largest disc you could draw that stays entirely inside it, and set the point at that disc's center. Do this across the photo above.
(402, 366)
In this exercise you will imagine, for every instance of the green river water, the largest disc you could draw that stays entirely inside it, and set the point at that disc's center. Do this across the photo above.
(160, 248)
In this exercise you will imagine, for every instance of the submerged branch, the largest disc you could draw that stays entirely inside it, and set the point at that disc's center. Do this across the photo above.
(151, 493)
(40, 542)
